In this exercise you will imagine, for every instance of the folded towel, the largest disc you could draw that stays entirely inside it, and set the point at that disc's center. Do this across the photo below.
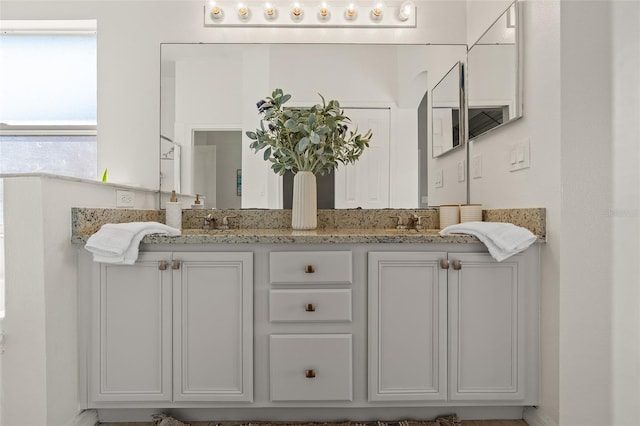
(119, 242)
(502, 239)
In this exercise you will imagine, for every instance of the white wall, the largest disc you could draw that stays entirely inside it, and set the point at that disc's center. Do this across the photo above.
(625, 64)
(599, 298)
(40, 364)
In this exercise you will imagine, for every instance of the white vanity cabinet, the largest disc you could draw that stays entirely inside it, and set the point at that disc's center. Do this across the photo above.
(249, 328)
(172, 327)
(212, 326)
(493, 328)
(407, 326)
(453, 326)
(130, 348)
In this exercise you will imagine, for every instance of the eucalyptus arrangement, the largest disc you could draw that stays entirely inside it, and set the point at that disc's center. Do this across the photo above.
(315, 139)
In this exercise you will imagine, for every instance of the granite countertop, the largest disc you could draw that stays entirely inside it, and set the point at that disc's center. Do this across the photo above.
(318, 236)
(274, 226)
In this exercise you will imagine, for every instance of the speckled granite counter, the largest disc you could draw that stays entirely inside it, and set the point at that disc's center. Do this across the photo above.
(273, 226)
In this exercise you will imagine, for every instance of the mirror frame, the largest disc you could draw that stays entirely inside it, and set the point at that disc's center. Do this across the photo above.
(518, 104)
(462, 139)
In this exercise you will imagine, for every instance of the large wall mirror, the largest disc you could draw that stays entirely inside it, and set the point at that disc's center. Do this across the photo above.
(493, 76)
(208, 100)
(447, 115)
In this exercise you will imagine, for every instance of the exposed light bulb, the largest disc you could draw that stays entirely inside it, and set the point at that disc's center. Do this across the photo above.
(296, 12)
(407, 9)
(376, 12)
(351, 12)
(323, 12)
(243, 11)
(215, 10)
(270, 11)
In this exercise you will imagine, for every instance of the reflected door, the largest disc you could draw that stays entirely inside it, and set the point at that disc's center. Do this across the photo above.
(365, 184)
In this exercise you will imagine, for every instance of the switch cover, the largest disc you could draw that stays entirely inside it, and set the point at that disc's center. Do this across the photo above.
(520, 155)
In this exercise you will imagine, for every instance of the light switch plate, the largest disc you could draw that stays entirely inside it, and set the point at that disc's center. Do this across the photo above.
(125, 198)
(476, 167)
(461, 171)
(438, 179)
(520, 155)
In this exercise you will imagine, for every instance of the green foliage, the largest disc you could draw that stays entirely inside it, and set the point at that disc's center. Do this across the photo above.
(314, 139)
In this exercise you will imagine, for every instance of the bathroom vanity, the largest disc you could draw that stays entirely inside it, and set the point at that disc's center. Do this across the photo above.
(319, 319)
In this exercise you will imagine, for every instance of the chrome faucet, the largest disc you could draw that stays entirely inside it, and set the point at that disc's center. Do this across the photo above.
(207, 221)
(415, 222)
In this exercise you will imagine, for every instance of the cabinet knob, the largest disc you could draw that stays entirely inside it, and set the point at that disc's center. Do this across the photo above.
(310, 374)
(444, 263)
(309, 269)
(309, 307)
(457, 265)
(175, 264)
(162, 265)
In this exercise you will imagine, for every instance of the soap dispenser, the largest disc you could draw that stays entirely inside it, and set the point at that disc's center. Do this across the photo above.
(197, 203)
(174, 212)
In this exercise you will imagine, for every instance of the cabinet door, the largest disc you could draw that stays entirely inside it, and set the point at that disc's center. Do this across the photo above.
(407, 326)
(491, 310)
(131, 332)
(213, 326)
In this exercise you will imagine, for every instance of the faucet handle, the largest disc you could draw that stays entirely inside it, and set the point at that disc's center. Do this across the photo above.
(225, 221)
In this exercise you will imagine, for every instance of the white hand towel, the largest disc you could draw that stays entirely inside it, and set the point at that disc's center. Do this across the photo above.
(119, 242)
(503, 240)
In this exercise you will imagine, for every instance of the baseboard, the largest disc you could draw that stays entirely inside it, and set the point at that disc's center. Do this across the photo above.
(536, 417)
(85, 418)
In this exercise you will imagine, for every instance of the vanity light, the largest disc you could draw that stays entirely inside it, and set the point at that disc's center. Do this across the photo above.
(216, 11)
(351, 12)
(296, 12)
(407, 9)
(243, 11)
(270, 11)
(324, 14)
(376, 12)
(278, 13)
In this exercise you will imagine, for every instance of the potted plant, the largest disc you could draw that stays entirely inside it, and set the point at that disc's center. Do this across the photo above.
(307, 142)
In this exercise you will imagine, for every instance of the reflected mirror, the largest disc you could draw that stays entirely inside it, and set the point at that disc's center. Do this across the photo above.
(446, 112)
(209, 94)
(493, 80)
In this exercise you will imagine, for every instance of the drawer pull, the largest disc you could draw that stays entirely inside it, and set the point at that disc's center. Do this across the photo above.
(309, 307)
(309, 269)
(444, 263)
(162, 265)
(457, 265)
(310, 374)
(175, 264)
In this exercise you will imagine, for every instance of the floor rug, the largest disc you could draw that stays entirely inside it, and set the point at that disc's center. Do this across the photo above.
(453, 420)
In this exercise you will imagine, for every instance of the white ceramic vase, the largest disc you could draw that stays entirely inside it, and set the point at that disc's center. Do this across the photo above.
(304, 209)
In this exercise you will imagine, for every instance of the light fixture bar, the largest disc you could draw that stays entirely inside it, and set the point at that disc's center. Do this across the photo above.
(315, 13)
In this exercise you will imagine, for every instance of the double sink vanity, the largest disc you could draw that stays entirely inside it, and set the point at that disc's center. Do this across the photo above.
(356, 314)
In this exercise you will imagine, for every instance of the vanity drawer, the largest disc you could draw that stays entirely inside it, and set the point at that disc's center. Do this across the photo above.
(310, 367)
(310, 305)
(314, 267)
